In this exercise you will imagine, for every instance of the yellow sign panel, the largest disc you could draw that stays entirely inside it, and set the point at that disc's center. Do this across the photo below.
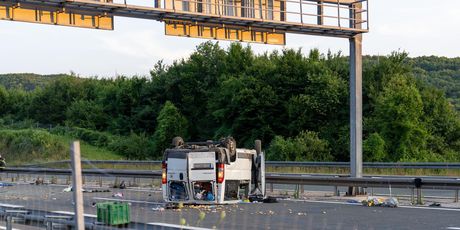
(244, 34)
(29, 13)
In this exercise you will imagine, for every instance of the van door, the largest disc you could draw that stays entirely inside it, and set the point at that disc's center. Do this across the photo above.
(202, 175)
(177, 176)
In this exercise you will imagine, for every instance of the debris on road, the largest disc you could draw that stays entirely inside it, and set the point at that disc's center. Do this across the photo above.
(39, 181)
(96, 190)
(435, 204)
(118, 194)
(381, 202)
(158, 209)
(2, 184)
(68, 189)
(353, 202)
(122, 185)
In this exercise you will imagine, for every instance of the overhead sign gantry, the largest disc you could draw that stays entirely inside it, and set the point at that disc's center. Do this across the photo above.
(261, 21)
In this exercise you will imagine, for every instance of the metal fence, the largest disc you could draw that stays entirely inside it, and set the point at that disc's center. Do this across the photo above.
(400, 165)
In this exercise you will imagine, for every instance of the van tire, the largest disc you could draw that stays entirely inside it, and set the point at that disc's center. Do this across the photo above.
(177, 141)
(258, 147)
(230, 144)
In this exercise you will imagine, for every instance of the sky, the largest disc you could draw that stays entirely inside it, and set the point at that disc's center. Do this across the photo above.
(419, 27)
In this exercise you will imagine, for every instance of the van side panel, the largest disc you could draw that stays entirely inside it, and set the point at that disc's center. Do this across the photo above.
(240, 169)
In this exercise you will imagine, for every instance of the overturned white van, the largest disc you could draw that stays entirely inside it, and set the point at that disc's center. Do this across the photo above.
(212, 172)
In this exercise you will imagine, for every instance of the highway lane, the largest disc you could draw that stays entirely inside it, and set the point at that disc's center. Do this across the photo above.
(283, 215)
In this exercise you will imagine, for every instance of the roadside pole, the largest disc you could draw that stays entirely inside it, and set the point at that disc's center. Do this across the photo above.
(356, 101)
(77, 185)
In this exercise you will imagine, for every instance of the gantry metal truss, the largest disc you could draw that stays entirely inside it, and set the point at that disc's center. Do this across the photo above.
(340, 18)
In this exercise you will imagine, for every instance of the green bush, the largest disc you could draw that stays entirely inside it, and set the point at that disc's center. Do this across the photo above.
(99, 139)
(134, 146)
(31, 146)
(307, 146)
(374, 148)
(171, 123)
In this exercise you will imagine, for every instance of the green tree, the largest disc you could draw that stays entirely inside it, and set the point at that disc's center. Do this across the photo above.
(4, 104)
(398, 113)
(374, 148)
(171, 123)
(86, 114)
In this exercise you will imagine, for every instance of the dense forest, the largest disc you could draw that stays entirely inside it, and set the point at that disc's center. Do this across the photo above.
(297, 104)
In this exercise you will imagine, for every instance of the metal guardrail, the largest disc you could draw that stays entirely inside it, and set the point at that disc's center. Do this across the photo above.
(87, 172)
(275, 178)
(404, 165)
(371, 182)
(401, 165)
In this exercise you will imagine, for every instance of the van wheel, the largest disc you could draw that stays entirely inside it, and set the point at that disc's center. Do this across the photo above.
(177, 141)
(230, 144)
(258, 146)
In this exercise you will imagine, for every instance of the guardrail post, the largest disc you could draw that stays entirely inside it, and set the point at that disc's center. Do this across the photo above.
(412, 197)
(302, 189)
(49, 225)
(134, 182)
(418, 185)
(419, 196)
(271, 187)
(336, 191)
(100, 181)
(456, 196)
(9, 222)
(296, 192)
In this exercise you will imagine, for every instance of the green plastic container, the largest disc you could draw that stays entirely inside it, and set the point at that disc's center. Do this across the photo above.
(113, 213)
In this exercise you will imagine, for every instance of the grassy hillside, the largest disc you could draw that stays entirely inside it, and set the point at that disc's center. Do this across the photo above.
(442, 73)
(28, 146)
(27, 81)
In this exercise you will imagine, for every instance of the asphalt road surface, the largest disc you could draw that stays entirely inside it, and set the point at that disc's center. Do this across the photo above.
(287, 214)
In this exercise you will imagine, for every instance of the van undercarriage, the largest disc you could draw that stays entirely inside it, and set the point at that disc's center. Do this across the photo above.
(212, 172)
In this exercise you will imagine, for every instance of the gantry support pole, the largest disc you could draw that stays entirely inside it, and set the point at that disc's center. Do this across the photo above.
(356, 101)
(356, 106)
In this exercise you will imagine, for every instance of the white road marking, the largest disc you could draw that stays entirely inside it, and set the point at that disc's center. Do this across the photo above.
(177, 226)
(326, 202)
(10, 205)
(72, 213)
(453, 228)
(401, 206)
(131, 201)
(431, 208)
(1, 227)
